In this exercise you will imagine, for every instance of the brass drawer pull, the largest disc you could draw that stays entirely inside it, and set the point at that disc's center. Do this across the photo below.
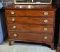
(13, 19)
(45, 13)
(29, 6)
(12, 12)
(15, 35)
(45, 37)
(45, 21)
(45, 29)
(14, 27)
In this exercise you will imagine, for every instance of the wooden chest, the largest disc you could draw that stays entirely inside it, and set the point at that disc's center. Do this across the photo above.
(31, 24)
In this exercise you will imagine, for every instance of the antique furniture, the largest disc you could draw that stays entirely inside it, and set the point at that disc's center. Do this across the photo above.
(31, 23)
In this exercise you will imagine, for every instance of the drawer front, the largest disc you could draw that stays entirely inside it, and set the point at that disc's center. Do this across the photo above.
(29, 13)
(31, 37)
(30, 28)
(30, 20)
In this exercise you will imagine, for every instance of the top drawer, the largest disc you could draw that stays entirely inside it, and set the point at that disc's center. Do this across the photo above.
(29, 13)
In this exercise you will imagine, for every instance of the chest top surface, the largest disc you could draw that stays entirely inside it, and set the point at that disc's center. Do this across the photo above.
(30, 7)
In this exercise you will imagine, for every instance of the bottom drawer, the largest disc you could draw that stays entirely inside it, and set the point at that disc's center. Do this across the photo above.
(33, 37)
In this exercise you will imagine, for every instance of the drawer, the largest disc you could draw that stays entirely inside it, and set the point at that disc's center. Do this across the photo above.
(30, 20)
(30, 28)
(29, 13)
(34, 37)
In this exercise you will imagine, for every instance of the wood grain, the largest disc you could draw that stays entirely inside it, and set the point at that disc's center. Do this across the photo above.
(37, 37)
(30, 28)
(29, 13)
(30, 20)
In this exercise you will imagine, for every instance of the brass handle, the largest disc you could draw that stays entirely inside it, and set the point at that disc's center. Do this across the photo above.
(14, 27)
(29, 6)
(45, 21)
(45, 13)
(20, 6)
(13, 19)
(12, 12)
(45, 37)
(45, 29)
(15, 35)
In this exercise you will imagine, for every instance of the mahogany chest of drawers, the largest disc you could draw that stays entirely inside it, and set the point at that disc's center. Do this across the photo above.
(31, 24)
